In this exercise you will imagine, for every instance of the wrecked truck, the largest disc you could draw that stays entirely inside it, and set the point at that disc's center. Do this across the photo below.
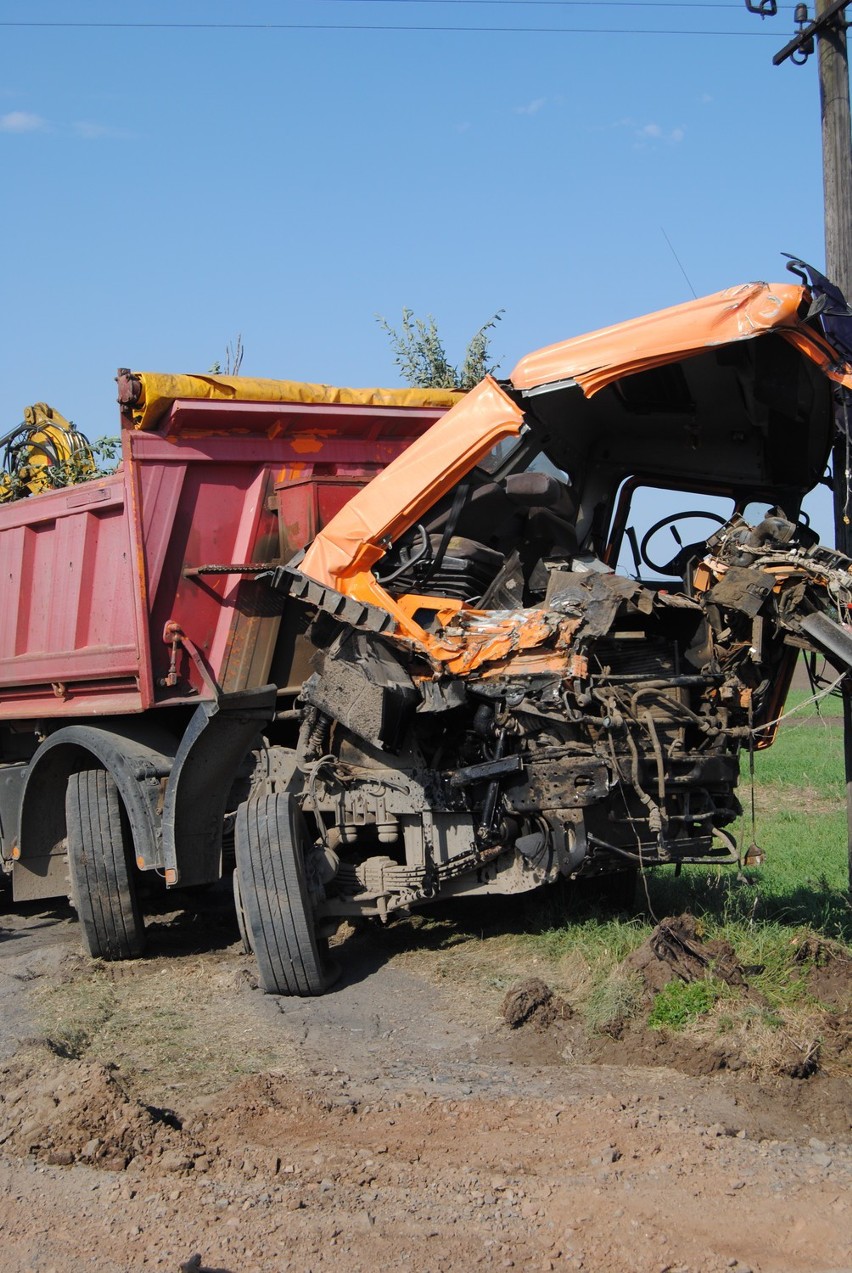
(525, 644)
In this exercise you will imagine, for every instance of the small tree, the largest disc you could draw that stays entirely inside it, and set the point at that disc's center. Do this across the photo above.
(420, 355)
(233, 359)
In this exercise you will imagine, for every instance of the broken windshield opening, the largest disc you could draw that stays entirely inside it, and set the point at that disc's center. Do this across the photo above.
(657, 532)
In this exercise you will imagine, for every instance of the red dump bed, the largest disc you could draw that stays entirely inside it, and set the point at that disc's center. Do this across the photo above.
(95, 574)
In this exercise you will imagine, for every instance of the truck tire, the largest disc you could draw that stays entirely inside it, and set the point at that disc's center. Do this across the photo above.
(101, 866)
(271, 838)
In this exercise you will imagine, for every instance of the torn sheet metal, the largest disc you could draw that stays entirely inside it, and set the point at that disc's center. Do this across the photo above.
(594, 599)
(345, 553)
(735, 314)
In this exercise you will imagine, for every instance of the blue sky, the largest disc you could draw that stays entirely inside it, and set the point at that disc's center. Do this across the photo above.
(165, 189)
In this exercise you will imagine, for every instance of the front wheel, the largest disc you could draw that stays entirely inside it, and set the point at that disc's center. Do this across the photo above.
(103, 887)
(271, 841)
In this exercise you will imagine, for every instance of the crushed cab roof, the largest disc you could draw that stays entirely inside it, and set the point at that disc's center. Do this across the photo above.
(738, 313)
(713, 330)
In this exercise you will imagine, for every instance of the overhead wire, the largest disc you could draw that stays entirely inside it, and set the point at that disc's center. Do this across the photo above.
(564, 4)
(368, 26)
(589, 6)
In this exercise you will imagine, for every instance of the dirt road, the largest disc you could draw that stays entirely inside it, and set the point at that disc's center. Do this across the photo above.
(164, 1109)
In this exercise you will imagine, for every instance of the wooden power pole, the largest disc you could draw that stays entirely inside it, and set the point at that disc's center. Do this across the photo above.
(829, 30)
(837, 188)
(836, 148)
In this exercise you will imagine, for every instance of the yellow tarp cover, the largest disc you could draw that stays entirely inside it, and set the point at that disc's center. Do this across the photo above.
(159, 391)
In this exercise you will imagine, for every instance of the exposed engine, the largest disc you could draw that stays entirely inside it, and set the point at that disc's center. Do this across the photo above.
(593, 732)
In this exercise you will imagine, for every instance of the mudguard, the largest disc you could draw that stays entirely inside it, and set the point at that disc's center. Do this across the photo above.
(218, 737)
(137, 756)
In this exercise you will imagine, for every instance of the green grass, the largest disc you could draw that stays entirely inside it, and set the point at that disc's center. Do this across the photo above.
(614, 997)
(681, 1002)
(800, 822)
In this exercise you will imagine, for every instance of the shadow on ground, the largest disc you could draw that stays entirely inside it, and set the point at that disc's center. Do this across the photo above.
(722, 897)
(189, 922)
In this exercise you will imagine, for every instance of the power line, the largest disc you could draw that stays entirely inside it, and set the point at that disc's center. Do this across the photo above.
(565, 4)
(368, 26)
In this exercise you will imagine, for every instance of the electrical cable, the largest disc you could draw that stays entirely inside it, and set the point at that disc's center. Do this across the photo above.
(814, 698)
(563, 4)
(418, 28)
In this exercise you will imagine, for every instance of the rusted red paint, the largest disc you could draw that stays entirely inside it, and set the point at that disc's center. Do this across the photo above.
(94, 572)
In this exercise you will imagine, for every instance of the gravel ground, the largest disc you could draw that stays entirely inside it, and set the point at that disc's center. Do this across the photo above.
(184, 1120)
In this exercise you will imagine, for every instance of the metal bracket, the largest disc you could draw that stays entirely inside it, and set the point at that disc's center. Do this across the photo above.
(487, 771)
(802, 44)
(174, 635)
(358, 614)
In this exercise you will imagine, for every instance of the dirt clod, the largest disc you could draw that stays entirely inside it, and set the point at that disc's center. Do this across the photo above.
(532, 1002)
(675, 950)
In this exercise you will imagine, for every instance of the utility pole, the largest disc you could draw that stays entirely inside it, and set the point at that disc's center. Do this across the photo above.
(836, 145)
(837, 188)
(829, 30)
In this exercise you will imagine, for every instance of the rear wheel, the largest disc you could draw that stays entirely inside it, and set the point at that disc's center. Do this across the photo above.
(101, 865)
(272, 839)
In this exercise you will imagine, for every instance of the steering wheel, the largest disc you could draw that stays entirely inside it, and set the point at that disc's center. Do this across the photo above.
(677, 564)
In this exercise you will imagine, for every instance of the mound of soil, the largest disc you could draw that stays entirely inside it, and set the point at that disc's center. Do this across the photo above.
(532, 1002)
(63, 1111)
(828, 970)
(674, 950)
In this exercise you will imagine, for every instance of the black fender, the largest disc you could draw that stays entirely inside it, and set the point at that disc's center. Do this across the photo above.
(215, 743)
(137, 755)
